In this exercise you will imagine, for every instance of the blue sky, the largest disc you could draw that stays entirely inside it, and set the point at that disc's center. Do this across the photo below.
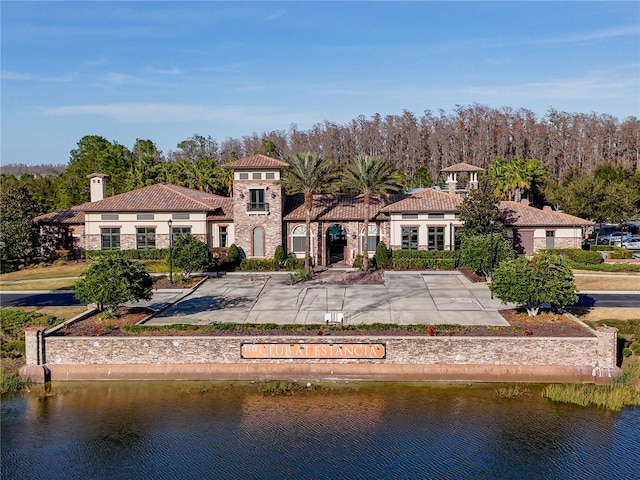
(166, 70)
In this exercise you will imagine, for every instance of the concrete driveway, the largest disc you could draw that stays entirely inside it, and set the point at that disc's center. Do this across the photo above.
(428, 298)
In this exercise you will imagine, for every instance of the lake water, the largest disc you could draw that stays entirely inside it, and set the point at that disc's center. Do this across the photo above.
(179, 430)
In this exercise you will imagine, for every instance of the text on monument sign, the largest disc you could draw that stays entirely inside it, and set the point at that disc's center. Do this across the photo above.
(314, 350)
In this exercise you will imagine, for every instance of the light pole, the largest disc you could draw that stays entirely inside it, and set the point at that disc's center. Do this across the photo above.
(493, 252)
(170, 222)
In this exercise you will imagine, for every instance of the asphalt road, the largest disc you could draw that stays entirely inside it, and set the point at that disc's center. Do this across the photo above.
(63, 299)
(28, 299)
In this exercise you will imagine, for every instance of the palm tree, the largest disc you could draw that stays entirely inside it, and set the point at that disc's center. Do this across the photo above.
(308, 173)
(370, 176)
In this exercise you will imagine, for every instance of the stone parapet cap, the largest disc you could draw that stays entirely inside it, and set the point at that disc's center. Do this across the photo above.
(606, 329)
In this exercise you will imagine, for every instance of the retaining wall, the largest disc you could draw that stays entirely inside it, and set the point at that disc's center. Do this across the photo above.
(535, 359)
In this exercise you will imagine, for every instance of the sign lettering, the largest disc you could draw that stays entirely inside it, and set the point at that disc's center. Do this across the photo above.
(314, 350)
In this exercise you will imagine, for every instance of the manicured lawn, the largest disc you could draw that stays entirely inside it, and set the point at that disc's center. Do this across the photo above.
(71, 269)
(66, 284)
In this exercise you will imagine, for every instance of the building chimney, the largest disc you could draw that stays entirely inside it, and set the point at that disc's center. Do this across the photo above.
(98, 182)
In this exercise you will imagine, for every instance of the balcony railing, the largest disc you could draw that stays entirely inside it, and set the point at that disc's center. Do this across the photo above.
(258, 207)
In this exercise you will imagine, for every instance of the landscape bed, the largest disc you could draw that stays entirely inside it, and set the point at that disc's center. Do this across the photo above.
(542, 325)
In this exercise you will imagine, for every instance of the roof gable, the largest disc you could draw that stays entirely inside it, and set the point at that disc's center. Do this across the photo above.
(256, 161)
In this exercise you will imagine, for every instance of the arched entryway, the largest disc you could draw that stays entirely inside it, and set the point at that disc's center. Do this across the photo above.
(336, 241)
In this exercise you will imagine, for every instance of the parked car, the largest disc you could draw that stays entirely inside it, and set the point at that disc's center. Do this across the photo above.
(633, 243)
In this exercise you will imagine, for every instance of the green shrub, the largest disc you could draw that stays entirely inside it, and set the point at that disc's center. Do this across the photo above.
(279, 257)
(233, 255)
(425, 259)
(621, 254)
(578, 255)
(12, 324)
(134, 254)
(10, 380)
(382, 258)
(358, 262)
(257, 265)
(293, 263)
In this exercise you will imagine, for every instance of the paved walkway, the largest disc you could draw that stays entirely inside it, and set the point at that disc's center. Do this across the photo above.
(405, 298)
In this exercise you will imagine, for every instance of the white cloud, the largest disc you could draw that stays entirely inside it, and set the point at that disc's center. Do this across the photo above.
(129, 113)
(34, 78)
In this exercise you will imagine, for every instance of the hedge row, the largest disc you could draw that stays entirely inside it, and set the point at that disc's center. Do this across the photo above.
(578, 255)
(606, 267)
(269, 264)
(134, 254)
(425, 259)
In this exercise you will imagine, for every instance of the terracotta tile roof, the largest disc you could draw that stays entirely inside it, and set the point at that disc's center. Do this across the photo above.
(65, 217)
(328, 207)
(256, 161)
(158, 197)
(463, 167)
(223, 212)
(426, 200)
(99, 175)
(519, 215)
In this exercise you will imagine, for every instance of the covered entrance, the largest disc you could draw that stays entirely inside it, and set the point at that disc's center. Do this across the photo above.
(336, 244)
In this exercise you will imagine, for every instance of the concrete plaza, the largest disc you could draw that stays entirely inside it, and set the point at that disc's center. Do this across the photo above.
(405, 298)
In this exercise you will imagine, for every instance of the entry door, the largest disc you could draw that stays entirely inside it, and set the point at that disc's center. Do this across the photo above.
(258, 242)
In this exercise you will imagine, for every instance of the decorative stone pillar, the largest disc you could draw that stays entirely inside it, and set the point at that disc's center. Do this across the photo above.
(607, 346)
(452, 182)
(34, 346)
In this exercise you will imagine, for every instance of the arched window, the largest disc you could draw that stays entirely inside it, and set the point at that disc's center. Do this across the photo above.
(373, 238)
(299, 237)
(258, 242)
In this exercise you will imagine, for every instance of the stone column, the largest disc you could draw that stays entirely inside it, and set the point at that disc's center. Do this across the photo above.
(607, 346)
(34, 345)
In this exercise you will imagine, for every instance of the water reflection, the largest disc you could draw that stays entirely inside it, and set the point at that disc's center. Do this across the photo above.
(176, 430)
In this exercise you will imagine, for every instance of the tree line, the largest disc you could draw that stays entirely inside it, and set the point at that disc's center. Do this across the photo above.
(568, 148)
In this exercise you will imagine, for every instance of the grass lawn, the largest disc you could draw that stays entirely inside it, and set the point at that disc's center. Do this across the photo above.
(71, 269)
(63, 313)
(607, 283)
(39, 285)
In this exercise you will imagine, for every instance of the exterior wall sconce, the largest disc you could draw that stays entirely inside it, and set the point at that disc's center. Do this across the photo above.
(241, 195)
(354, 236)
(273, 195)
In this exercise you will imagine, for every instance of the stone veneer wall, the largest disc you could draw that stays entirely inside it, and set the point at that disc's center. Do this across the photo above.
(559, 242)
(538, 359)
(400, 350)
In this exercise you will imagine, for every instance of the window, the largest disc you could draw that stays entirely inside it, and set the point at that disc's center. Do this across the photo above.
(109, 216)
(373, 238)
(145, 237)
(436, 216)
(299, 236)
(146, 216)
(551, 238)
(456, 215)
(409, 216)
(222, 237)
(256, 176)
(270, 176)
(257, 201)
(258, 242)
(436, 238)
(410, 238)
(243, 176)
(180, 216)
(175, 231)
(110, 238)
